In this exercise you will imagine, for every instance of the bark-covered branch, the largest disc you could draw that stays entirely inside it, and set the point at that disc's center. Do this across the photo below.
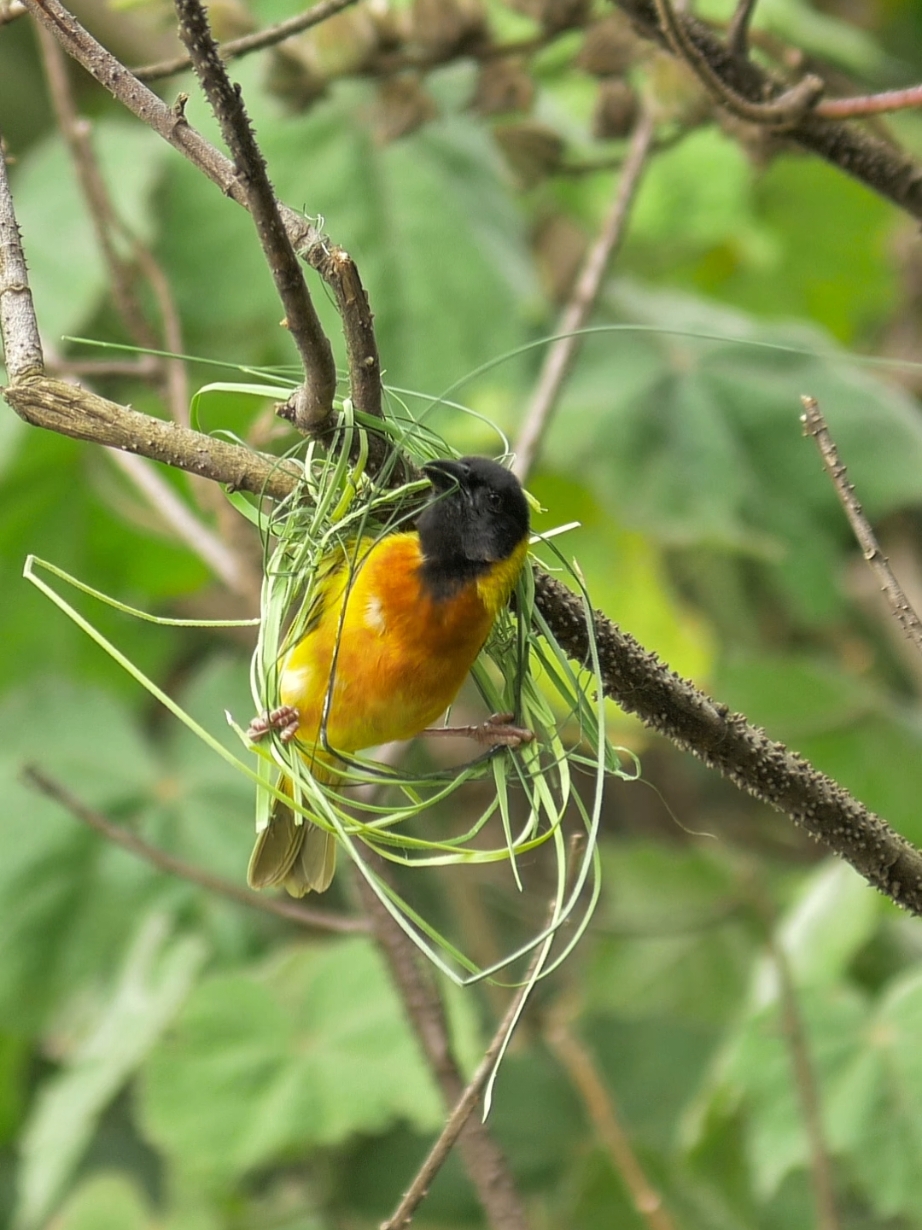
(633, 676)
(881, 166)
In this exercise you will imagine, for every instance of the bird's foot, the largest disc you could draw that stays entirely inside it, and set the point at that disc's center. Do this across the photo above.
(284, 721)
(496, 731)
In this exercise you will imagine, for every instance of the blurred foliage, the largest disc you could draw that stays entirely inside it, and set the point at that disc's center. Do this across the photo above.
(169, 1059)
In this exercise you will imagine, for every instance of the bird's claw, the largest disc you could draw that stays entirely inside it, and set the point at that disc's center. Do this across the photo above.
(496, 731)
(284, 721)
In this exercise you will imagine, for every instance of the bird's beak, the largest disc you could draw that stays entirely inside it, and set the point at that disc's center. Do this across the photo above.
(446, 474)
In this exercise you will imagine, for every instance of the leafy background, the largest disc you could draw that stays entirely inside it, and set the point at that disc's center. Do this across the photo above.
(170, 1059)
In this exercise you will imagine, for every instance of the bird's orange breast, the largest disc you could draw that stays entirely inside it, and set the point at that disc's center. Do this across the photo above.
(390, 657)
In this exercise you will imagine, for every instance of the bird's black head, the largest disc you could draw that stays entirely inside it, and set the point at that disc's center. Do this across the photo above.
(478, 516)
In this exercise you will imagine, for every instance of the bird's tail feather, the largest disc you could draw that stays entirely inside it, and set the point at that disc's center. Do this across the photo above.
(292, 851)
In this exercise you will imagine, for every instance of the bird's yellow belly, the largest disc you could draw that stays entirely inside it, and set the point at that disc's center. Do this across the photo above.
(391, 665)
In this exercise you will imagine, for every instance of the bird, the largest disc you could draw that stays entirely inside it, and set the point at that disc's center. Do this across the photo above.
(393, 626)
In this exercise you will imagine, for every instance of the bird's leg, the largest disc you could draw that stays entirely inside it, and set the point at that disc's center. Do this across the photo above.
(284, 720)
(496, 731)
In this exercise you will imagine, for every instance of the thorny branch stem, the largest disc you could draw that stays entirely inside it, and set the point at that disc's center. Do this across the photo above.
(815, 425)
(579, 1066)
(247, 43)
(781, 112)
(875, 162)
(562, 353)
(120, 836)
(312, 405)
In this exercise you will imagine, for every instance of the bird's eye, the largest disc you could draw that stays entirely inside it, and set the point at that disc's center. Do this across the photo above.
(493, 498)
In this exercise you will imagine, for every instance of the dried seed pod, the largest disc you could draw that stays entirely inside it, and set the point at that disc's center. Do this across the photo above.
(609, 48)
(533, 151)
(444, 27)
(344, 44)
(290, 78)
(403, 105)
(615, 110)
(559, 248)
(503, 85)
(230, 19)
(679, 95)
(555, 15)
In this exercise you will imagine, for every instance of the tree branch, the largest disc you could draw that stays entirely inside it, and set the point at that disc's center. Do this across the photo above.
(310, 408)
(632, 676)
(577, 1062)
(781, 111)
(808, 1092)
(815, 426)
(75, 412)
(247, 43)
(870, 104)
(330, 261)
(869, 159)
(562, 353)
(290, 910)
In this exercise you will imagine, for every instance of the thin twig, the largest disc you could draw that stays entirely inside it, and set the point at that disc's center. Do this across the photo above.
(312, 404)
(76, 133)
(106, 223)
(815, 425)
(781, 112)
(177, 515)
(560, 356)
(120, 836)
(738, 29)
(483, 1158)
(827, 1217)
(870, 104)
(247, 43)
(581, 1069)
(459, 1124)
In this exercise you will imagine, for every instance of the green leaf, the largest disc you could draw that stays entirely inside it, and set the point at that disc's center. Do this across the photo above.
(845, 727)
(638, 589)
(673, 939)
(66, 269)
(63, 893)
(875, 1106)
(835, 915)
(156, 976)
(268, 1064)
(51, 509)
(696, 193)
(755, 1073)
(105, 1202)
(697, 442)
